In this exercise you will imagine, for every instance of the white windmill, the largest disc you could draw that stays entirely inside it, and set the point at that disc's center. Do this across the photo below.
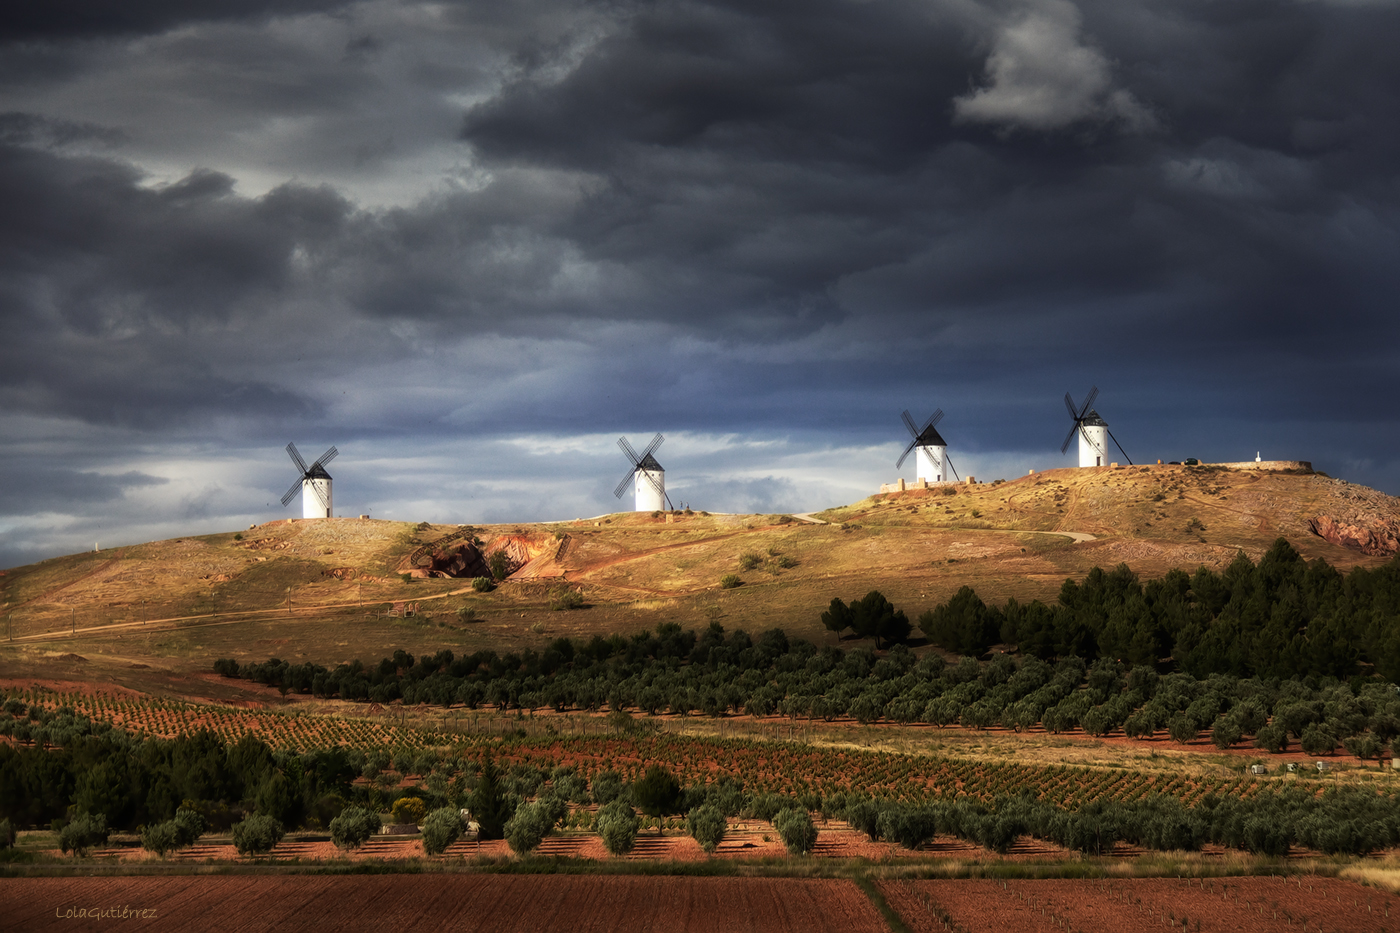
(647, 476)
(931, 450)
(314, 484)
(1093, 432)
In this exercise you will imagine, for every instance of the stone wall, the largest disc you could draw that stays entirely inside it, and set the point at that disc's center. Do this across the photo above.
(1275, 466)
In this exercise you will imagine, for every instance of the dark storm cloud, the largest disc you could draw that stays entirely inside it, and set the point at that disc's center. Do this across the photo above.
(68, 19)
(27, 489)
(778, 221)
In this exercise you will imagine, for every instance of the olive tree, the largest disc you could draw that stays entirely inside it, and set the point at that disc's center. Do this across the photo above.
(257, 834)
(84, 832)
(795, 827)
(441, 828)
(528, 827)
(618, 824)
(707, 826)
(353, 827)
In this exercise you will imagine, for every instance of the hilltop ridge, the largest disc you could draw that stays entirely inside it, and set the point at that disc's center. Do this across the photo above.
(1022, 538)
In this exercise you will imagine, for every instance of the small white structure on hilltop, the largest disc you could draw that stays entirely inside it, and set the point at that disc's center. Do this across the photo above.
(931, 461)
(1093, 432)
(314, 484)
(646, 476)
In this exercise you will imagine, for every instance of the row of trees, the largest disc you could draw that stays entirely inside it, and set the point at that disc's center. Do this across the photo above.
(1284, 617)
(717, 673)
(523, 803)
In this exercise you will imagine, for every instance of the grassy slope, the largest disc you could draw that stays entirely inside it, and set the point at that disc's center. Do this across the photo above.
(637, 570)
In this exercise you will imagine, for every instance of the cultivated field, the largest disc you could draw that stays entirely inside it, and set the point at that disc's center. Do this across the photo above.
(502, 904)
(765, 905)
(1209, 905)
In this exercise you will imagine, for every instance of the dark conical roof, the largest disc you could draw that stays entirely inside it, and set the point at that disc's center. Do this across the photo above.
(316, 472)
(930, 437)
(649, 463)
(1092, 419)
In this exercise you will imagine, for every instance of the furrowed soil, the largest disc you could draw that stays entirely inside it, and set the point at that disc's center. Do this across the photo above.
(499, 903)
(1209, 905)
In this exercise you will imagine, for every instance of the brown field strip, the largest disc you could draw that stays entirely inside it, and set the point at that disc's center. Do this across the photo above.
(499, 903)
(1209, 905)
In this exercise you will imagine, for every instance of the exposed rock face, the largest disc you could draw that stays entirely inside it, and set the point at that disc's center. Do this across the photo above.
(1378, 537)
(464, 560)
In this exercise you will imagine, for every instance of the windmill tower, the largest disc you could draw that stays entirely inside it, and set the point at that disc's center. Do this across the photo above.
(315, 484)
(647, 476)
(1093, 432)
(931, 450)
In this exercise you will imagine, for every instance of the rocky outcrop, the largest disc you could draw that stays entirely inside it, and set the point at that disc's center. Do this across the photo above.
(1377, 537)
(463, 560)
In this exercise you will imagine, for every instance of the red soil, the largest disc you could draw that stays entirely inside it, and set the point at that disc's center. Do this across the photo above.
(1226, 905)
(503, 903)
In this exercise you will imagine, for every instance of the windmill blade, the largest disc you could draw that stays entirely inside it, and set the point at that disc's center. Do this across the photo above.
(652, 447)
(949, 460)
(1073, 408)
(291, 493)
(627, 449)
(326, 457)
(321, 494)
(1089, 401)
(934, 418)
(1069, 437)
(912, 444)
(669, 506)
(296, 458)
(1120, 448)
(909, 423)
(626, 481)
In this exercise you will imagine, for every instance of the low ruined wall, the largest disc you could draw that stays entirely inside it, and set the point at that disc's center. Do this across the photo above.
(902, 485)
(1277, 466)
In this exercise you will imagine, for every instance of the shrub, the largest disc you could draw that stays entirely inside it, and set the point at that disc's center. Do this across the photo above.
(796, 829)
(441, 828)
(499, 565)
(406, 578)
(354, 826)
(7, 834)
(466, 614)
(257, 834)
(750, 560)
(226, 667)
(729, 581)
(618, 824)
(84, 832)
(706, 824)
(409, 810)
(483, 584)
(563, 599)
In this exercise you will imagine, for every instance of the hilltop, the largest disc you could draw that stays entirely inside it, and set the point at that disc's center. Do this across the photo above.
(337, 589)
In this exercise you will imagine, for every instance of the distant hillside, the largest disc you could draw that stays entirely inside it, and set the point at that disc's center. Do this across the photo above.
(1017, 538)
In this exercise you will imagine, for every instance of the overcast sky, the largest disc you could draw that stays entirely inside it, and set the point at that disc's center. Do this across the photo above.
(471, 243)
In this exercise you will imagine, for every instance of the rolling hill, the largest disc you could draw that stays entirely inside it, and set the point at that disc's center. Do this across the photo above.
(338, 589)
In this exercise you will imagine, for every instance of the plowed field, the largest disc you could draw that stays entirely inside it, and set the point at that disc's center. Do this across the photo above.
(1219, 905)
(373, 904)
